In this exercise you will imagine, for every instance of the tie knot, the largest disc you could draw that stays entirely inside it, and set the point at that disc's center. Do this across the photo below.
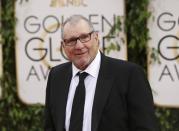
(82, 76)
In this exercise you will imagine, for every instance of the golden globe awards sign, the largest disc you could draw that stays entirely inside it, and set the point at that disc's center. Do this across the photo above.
(38, 32)
(163, 61)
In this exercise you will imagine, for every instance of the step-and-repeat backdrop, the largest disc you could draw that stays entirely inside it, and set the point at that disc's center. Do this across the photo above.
(163, 62)
(38, 33)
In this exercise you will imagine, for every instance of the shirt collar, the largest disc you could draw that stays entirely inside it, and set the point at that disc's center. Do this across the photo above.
(92, 69)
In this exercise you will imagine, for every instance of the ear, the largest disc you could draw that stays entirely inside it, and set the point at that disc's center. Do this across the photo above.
(62, 44)
(96, 36)
(62, 50)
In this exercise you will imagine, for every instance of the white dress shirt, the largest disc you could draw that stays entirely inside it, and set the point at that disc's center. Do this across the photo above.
(90, 85)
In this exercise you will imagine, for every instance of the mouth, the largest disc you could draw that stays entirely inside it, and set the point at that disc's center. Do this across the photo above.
(81, 53)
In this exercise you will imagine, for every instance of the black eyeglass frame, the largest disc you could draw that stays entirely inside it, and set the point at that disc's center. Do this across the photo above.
(73, 40)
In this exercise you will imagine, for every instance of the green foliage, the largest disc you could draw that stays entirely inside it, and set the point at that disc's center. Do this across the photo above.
(137, 32)
(154, 55)
(137, 36)
(114, 33)
(168, 118)
(16, 116)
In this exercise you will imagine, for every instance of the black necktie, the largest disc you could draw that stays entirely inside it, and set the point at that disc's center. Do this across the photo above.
(76, 120)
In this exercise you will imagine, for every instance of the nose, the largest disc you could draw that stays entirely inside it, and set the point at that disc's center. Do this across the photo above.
(79, 44)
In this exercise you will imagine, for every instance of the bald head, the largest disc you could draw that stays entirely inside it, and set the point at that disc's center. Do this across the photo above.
(74, 20)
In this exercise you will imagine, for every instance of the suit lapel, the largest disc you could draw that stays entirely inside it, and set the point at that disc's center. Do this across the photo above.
(103, 87)
(62, 96)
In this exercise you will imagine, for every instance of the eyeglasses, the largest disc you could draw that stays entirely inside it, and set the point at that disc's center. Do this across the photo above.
(83, 38)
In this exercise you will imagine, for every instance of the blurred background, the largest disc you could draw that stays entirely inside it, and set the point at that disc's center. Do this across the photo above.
(142, 31)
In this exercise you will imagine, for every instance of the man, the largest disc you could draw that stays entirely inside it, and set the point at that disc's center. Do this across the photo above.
(117, 94)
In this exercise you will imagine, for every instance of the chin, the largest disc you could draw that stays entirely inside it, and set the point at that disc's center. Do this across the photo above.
(83, 64)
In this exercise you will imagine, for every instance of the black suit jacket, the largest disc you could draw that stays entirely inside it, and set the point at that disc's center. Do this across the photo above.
(122, 102)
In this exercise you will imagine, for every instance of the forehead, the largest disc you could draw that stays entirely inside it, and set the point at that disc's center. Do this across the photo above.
(75, 29)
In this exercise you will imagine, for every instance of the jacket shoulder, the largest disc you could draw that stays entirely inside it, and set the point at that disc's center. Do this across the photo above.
(121, 64)
(61, 68)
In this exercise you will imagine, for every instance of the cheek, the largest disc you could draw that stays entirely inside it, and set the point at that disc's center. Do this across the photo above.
(68, 52)
(93, 48)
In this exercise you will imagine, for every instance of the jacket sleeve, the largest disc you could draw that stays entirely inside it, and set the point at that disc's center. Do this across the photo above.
(140, 102)
(49, 124)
